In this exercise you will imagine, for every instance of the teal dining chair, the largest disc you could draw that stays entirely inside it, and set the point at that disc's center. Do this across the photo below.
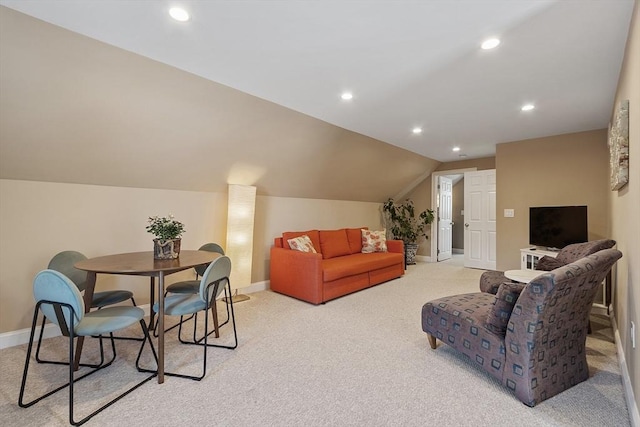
(60, 301)
(63, 262)
(191, 287)
(215, 281)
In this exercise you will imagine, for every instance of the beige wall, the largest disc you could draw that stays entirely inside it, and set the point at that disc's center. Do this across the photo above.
(482, 164)
(39, 219)
(571, 169)
(625, 211)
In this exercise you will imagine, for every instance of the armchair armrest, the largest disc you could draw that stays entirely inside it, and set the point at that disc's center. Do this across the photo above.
(297, 274)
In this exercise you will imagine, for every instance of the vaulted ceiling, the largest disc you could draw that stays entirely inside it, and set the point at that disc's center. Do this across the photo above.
(252, 88)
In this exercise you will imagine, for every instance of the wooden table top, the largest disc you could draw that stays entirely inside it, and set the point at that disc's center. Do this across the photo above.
(143, 262)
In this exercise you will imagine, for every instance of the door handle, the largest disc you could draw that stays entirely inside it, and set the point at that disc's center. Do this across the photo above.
(466, 225)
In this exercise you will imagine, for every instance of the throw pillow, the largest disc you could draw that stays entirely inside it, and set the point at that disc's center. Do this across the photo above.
(313, 235)
(548, 263)
(374, 241)
(500, 312)
(302, 244)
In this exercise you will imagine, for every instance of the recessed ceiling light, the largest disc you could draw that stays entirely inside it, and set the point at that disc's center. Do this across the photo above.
(347, 96)
(456, 148)
(528, 107)
(490, 43)
(417, 130)
(462, 155)
(179, 14)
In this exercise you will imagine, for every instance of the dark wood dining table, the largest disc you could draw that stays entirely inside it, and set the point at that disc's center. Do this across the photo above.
(140, 264)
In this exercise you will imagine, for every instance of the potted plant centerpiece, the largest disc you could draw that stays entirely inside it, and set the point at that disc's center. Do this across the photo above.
(167, 231)
(405, 225)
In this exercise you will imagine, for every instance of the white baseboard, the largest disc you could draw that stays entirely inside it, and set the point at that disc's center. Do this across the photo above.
(423, 258)
(254, 287)
(632, 405)
(13, 338)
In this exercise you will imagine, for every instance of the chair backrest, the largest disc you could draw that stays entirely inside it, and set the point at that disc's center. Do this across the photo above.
(220, 268)
(571, 253)
(63, 262)
(209, 247)
(51, 285)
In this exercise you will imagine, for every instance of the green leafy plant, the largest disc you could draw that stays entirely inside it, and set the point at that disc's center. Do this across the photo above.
(404, 223)
(165, 228)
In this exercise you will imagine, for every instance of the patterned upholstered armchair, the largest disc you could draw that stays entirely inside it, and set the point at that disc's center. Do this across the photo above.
(530, 337)
(491, 280)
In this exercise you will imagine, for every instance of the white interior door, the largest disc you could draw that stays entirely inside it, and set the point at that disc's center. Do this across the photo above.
(445, 216)
(480, 219)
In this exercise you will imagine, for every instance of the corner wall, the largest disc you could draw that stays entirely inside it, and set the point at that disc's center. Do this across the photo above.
(570, 169)
(625, 228)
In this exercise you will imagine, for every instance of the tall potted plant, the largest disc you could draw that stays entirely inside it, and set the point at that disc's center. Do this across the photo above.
(405, 225)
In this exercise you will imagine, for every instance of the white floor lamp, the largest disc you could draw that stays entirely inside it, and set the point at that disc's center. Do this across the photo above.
(240, 219)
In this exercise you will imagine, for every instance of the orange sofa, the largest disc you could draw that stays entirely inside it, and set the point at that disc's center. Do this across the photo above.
(338, 268)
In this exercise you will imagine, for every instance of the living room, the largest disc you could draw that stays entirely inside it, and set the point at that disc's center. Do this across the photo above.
(60, 195)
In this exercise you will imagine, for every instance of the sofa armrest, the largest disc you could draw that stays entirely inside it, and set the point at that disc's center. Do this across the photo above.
(297, 274)
(396, 246)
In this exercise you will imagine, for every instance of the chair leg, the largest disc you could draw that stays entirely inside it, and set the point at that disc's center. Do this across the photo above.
(432, 341)
(72, 380)
(55, 362)
(147, 336)
(227, 293)
(204, 340)
(21, 401)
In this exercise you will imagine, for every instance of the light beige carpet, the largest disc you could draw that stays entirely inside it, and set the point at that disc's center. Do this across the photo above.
(361, 360)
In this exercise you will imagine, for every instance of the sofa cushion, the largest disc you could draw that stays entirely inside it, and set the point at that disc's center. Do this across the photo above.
(302, 244)
(337, 268)
(313, 235)
(548, 263)
(334, 243)
(374, 241)
(500, 311)
(354, 235)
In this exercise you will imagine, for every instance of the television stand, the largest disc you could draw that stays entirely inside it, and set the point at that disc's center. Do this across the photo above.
(529, 257)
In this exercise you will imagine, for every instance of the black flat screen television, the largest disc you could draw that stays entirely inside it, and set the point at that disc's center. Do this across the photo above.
(555, 227)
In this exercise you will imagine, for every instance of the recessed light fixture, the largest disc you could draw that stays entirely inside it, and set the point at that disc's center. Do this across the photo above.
(490, 43)
(417, 130)
(347, 96)
(528, 107)
(462, 155)
(456, 148)
(179, 14)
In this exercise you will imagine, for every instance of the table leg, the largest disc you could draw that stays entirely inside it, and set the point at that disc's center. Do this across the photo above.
(160, 327)
(88, 299)
(152, 300)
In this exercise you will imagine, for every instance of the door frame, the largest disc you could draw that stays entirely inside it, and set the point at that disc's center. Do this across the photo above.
(434, 203)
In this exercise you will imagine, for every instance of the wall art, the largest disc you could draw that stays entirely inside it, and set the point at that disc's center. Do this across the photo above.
(619, 146)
